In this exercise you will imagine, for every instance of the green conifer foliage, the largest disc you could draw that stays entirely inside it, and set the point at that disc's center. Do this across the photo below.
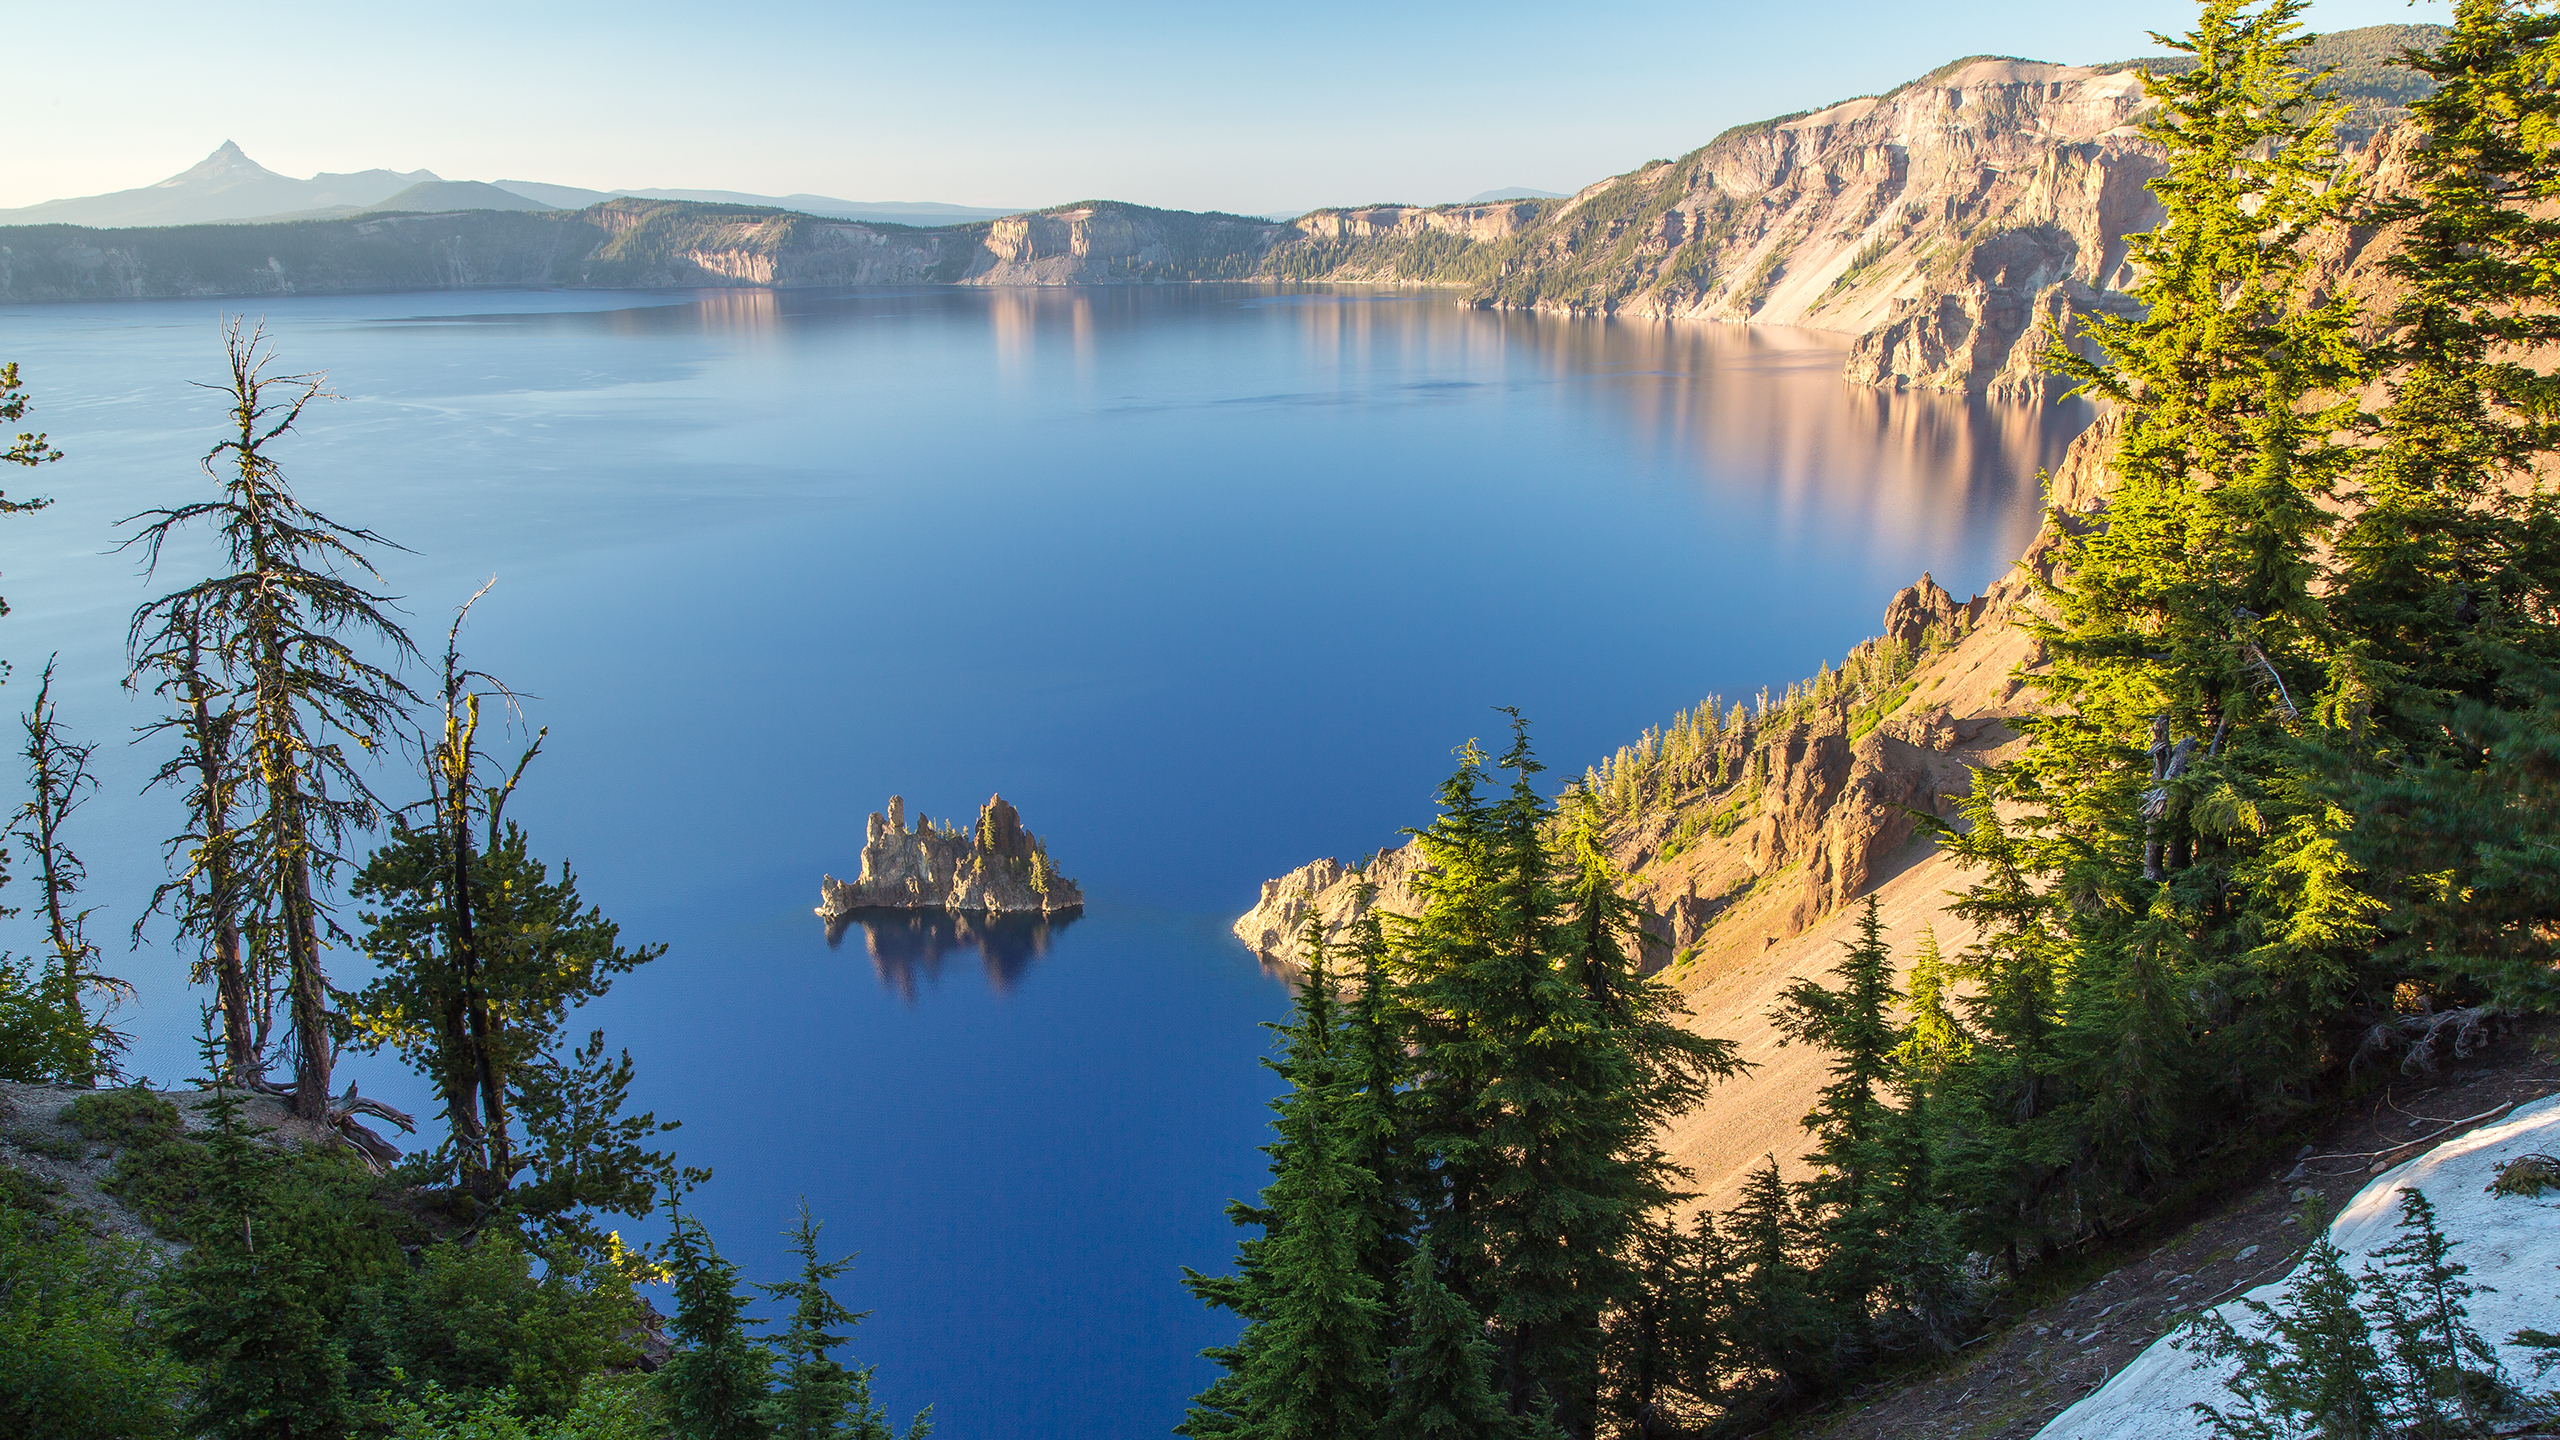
(1661, 1338)
(1850, 1118)
(2167, 847)
(1777, 1325)
(2307, 1368)
(83, 1045)
(1379, 1072)
(715, 1386)
(816, 1396)
(247, 1309)
(293, 637)
(1551, 1060)
(2449, 576)
(1311, 1364)
(2443, 1378)
(1443, 1386)
(2006, 1138)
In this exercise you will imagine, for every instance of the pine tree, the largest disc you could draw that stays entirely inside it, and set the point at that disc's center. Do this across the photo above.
(2444, 560)
(51, 1033)
(1778, 1325)
(1850, 1117)
(1652, 1360)
(2188, 644)
(716, 1385)
(246, 1309)
(2442, 1378)
(2006, 1138)
(816, 1396)
(1547, 1061)
(1378, 1072)
(2307, 1368)
(1443, 1383)
(2448, 576)
(284, 626)
(1311, 1363)
(211, 893)
(811, 1388)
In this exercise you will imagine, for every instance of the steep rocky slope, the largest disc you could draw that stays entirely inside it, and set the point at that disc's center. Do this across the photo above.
(1746, 844)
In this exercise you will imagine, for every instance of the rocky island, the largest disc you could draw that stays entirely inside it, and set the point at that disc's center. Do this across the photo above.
(994, 868)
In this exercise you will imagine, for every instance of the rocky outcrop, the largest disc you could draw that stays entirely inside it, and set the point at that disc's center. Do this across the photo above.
(1329, 892)
(995, 867)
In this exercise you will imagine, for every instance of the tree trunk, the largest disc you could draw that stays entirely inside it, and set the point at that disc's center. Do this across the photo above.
(240, 1037)
(310, 992)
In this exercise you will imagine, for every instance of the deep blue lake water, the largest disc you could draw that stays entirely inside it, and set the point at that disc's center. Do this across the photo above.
(1208, 581)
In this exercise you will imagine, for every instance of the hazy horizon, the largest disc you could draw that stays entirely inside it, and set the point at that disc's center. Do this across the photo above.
(1168, 106)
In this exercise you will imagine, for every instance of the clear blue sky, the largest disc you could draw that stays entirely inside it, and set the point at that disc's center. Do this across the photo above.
(1250, 108)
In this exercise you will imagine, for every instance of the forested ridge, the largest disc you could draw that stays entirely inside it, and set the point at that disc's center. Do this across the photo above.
(2280, 824)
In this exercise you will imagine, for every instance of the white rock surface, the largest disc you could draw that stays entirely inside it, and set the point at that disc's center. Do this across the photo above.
(2510, 1242)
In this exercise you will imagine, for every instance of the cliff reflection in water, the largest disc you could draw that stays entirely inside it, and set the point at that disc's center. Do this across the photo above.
(911, 945)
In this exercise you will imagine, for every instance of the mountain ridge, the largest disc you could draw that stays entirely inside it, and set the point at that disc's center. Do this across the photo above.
(1953, 226)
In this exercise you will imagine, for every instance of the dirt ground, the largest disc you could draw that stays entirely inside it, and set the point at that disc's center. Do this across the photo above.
(2047, 1354)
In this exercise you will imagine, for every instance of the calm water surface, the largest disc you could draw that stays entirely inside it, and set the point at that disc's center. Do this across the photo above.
(1208, 581)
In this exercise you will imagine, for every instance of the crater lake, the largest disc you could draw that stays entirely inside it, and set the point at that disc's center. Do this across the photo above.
(1209, 581)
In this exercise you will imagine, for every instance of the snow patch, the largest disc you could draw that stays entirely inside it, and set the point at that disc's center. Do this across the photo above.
(2511, 1243)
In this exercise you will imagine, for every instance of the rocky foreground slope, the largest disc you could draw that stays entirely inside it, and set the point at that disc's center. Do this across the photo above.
(1952, 225)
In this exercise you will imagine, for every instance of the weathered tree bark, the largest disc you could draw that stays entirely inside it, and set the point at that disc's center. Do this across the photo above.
(2168, 762)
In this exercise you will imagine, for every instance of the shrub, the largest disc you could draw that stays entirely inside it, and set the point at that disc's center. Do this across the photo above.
(124, 1117)
(77, 1359)
(473, 1321)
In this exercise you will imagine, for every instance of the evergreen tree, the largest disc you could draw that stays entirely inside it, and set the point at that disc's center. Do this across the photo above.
(817, 1397)
(26, 447)
(716, 1385)
(2306, 1370)
(812, 1388)
(1377, 1070)
(246, 1307)
(1545, 1062)
(1443, 1385)
(283, 626)
(1311, 1365)
(2443, 1379)
(1653, 1358)
(1851, 1118)
(2444, 560)
(2166, 835)
(84, 1047)
(2466, 835)
(2005, 1135)
(1777, 1324)
(480, 955)
(1923, 1255)
(211, 892)
(2448, 574)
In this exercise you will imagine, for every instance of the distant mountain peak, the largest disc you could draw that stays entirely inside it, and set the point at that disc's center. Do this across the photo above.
(227, 162)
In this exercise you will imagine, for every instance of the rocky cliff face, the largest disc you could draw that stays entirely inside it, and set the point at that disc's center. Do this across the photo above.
(996, 867)
(1954, 226)
(1941, 223)
(1328, 892)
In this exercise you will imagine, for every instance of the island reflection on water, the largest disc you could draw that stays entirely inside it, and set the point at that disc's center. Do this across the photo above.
(907, 945)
